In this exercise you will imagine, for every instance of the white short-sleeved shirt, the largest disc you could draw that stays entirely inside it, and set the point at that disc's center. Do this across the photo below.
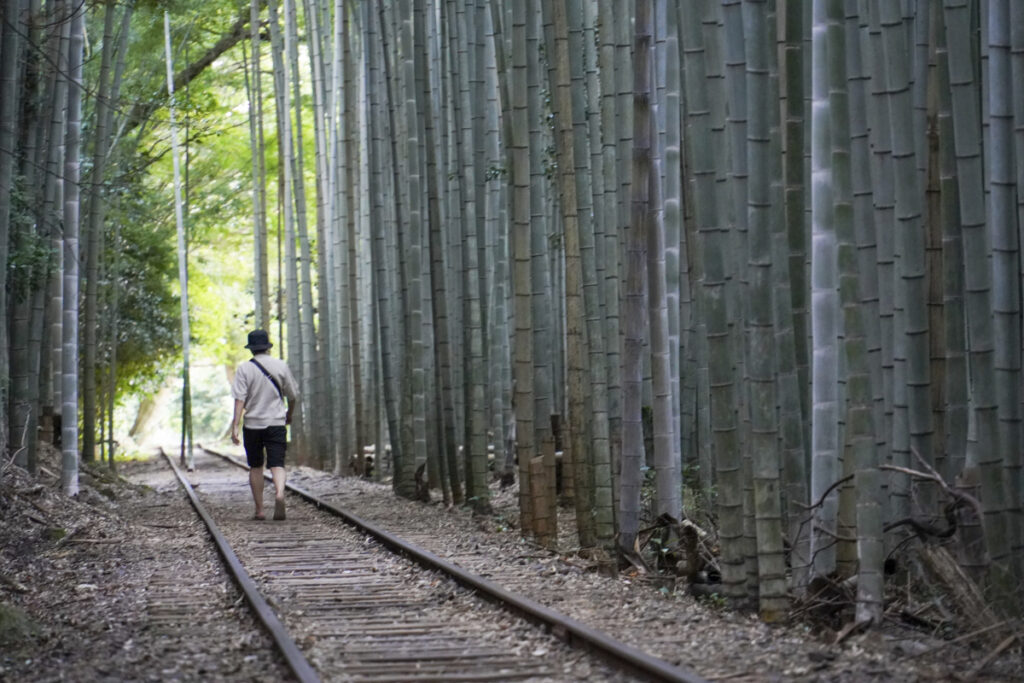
(264, 407)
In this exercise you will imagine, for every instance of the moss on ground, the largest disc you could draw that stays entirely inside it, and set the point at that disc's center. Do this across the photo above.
(15, 625)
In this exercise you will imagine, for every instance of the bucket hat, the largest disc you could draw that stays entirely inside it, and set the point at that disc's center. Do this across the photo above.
(259, 340)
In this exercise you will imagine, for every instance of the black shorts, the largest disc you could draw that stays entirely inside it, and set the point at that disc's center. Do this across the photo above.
(273, 440)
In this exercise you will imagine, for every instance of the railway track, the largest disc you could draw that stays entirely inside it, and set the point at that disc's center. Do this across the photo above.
(344, 600)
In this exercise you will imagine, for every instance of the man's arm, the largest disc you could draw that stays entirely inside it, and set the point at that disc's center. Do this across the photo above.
(291, 407)
(236, 420)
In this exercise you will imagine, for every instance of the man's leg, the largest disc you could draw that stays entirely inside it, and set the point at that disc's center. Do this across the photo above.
(278, 475)
(279, 478)
(254, 456)
(256, 484)
(277, 444)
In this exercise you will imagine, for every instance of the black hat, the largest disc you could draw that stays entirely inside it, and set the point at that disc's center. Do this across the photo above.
(259, 340)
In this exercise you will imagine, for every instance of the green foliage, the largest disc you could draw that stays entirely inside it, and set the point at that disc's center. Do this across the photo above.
(16, 627)
(495, 172)
(29, 262)
(31, 254)
(142, 264)
(715, 601)
(549, 163)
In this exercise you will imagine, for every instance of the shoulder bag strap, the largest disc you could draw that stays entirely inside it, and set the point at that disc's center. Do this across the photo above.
(270, 377)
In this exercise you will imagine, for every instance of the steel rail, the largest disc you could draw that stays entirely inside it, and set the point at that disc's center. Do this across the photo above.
(564, 627)
(293, 656)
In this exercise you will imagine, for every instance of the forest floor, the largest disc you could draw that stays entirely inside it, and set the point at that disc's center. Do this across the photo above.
(76, 577)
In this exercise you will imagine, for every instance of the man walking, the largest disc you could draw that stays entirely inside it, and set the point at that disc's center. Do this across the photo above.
(265, 391)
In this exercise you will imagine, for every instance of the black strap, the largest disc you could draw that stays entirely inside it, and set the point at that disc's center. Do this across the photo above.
(270, 377)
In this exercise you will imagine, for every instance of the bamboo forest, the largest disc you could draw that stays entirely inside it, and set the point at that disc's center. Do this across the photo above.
(724, 290)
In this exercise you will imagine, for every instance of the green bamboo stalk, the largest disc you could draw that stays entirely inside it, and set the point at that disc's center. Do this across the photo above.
(378, 71)
(668, 469)
(334, 283)
(1005, 288)
(791, 392)
(471, 134)
(308, 412)
(445, 452)
(676, 287)
(883, 182)
(984, 458)
(52, 199)
(544, 342)
(450, 233)
(793, 97)
(932, 186)
(624, 79)
(1017, 76)
(574, 194)
(718, 252)
(261, 287)
(10, 47)
(635, 277)
(326, 443)
(522, 287)
(292, 345)
(957, 407)
(417, 359)
(678, 215)
(187, 455)
(71, 214)
(846, 254)
(910, 237)
(824, 307)
(600, 477)
(737, 180)
(760, 334)
(701, 180)
(93, 243)
(863, 344)
(608, 243)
